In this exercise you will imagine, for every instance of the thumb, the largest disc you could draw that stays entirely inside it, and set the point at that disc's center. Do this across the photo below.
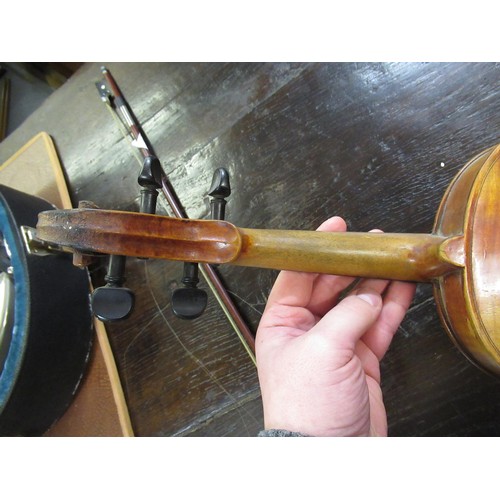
(349, 320)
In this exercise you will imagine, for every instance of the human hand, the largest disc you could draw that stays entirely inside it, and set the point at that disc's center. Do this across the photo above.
(318, 356)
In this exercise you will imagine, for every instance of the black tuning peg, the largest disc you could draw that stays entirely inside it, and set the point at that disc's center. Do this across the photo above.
(150, 181)
(189, 302)
(219, 191)
(113, 302)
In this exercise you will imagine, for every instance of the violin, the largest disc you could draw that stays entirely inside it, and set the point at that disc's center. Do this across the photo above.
(460, 257)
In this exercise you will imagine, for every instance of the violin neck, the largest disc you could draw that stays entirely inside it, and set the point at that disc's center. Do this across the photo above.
(406, 257)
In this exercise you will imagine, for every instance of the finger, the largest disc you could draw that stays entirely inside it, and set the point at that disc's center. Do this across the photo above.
(333, 224)
(396, 301)
(375, 284)
(349, 320)
(295, 288)
(332, 290)
(326, 292)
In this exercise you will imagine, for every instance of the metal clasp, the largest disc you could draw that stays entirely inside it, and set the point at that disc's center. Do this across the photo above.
(36, 246)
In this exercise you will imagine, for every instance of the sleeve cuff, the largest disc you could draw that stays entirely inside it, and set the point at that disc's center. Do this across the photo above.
(280, 433)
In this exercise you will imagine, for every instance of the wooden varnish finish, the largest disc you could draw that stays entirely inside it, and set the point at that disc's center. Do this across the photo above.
(377, 143)
(141, 235)
(468, 300)
(484, 245)
(408, 257)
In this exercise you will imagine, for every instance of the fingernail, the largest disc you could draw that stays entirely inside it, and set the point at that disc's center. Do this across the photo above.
(371, 298)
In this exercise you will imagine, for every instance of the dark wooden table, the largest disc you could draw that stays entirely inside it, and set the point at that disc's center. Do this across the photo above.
(376, 143)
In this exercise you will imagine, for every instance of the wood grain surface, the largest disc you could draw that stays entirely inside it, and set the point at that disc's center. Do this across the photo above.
(376, 143)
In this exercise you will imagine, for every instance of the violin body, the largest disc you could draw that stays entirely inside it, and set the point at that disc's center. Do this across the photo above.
(468, 300)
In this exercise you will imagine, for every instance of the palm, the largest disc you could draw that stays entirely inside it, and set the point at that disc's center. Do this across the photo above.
(308, 339)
